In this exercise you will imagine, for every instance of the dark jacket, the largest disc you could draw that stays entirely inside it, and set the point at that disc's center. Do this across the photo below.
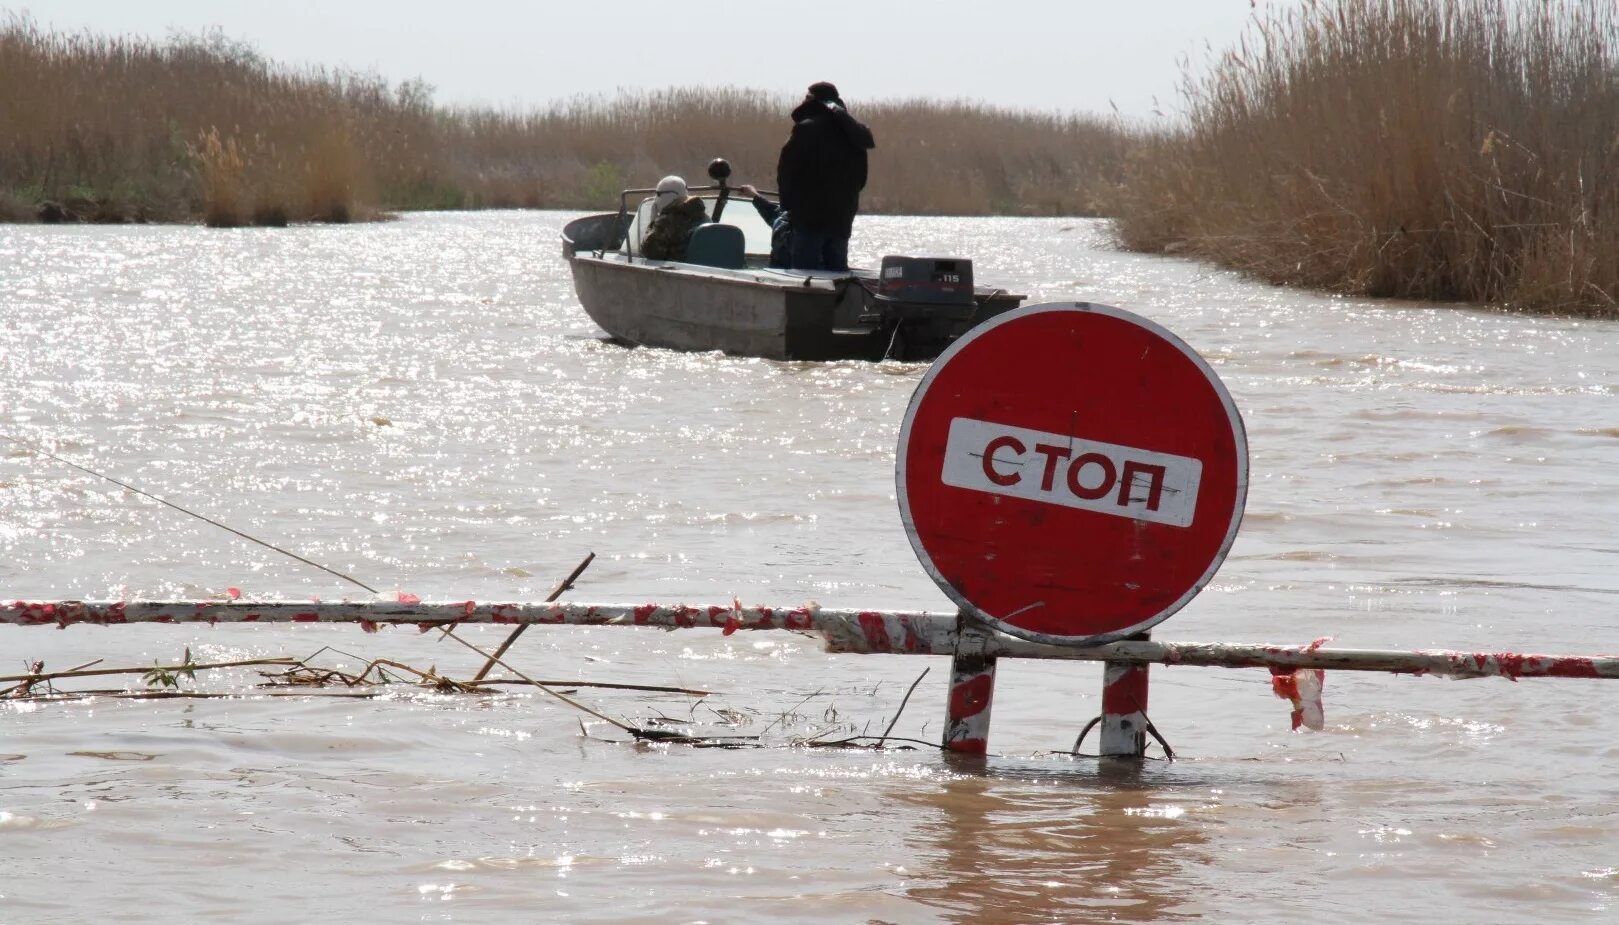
(822, 168)
(671, 230)
(781, 232)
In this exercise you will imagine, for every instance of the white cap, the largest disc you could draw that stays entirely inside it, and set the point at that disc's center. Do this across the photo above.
(671, 189)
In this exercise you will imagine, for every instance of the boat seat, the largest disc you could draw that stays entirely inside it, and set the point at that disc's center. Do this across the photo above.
(714, 245)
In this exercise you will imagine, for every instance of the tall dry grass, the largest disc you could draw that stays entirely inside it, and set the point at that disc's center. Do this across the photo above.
(932, 157)
(1432, 149)
(112, 129)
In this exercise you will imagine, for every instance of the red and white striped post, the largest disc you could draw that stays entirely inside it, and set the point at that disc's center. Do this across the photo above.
(1124, 709)
(972, 690)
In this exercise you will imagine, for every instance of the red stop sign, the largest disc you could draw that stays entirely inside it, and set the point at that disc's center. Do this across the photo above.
(1071, 472)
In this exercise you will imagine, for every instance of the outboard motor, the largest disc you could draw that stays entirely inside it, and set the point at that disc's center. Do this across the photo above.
(922, 303)
(926, 287)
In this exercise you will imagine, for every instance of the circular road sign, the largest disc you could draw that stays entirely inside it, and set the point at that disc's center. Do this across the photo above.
(1072, 473)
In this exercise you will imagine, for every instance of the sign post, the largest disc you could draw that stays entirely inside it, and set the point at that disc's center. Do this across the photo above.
(1071, 474)
(972, 690)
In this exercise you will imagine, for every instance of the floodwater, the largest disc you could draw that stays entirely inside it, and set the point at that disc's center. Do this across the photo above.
(423, 404)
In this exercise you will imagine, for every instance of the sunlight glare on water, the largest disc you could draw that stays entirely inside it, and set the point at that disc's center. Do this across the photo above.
(423, 404)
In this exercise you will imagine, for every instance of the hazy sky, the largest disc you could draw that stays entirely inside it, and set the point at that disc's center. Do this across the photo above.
(1049, 54)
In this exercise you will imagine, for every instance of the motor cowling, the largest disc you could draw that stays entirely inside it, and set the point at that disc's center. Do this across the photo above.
(939, 287)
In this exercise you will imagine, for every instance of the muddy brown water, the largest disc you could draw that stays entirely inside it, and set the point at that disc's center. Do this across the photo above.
(424, 404)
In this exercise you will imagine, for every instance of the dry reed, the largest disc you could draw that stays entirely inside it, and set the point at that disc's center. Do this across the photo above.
(98, 128)
(1432, 149)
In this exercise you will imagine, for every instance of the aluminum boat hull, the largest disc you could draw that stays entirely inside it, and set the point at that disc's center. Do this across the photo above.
(755, 311)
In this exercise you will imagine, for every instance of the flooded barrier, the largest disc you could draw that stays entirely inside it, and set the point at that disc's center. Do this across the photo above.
(972, 647)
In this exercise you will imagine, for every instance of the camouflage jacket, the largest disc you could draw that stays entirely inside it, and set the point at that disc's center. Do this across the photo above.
(671, 230)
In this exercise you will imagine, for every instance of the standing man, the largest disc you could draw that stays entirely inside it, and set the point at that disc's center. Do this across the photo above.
(820, 174)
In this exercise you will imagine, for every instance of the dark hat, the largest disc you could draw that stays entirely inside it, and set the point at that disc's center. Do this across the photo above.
(824, 91)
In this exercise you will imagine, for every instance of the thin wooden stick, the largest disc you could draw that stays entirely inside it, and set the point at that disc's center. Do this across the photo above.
(251, 539)
(839, 743)
(653, 688)
(312, 677)
(71, 696)
(431, 677)
(906, 699)
(788, 713)
(39, 666)
(556, 592)
(638, 733)
(144, 669)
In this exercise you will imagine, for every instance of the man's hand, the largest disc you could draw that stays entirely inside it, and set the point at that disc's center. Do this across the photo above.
(748, 190)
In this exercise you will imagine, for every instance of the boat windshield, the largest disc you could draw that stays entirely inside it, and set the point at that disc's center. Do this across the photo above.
(739, 211)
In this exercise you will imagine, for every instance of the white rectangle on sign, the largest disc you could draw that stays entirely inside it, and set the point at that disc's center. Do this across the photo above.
(1060, 469)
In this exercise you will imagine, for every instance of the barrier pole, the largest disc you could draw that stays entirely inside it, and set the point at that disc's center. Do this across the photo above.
(972, 689)
(897, 632)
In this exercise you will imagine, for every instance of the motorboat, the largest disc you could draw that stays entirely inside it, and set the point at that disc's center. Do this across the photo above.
(725, 296)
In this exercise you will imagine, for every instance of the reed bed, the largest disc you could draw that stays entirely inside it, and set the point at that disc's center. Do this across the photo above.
(1431, 149)
(113, 129)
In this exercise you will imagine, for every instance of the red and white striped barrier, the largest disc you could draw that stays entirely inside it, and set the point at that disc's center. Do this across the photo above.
(974, 649)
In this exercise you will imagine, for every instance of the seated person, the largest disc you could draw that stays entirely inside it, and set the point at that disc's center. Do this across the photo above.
(781, 229)
(674, 216)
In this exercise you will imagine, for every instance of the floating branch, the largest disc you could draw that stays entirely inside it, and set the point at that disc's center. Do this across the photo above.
(303, 674)
(299, 673)
(72, 696)
(601, 685)
(27, 680)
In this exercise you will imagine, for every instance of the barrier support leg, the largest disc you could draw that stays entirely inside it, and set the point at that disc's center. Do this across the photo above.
(972, 687)
(1124, 709)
